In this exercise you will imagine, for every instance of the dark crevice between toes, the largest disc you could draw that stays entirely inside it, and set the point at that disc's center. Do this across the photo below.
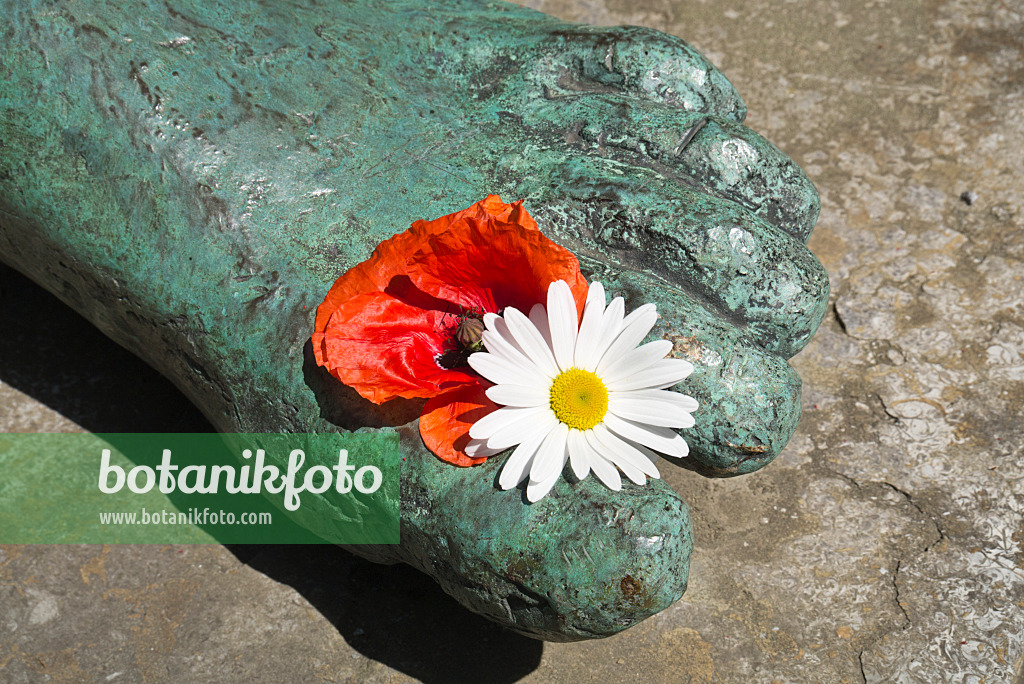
(774, 189)
(651, 65)
(607, 226)
(603, 226)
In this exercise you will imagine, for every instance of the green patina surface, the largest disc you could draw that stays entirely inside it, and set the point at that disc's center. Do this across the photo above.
(192, 177)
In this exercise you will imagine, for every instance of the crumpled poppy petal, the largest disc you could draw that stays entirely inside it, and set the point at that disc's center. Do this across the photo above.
(373, 275)
(385, 348)
(446, 419)
(488, 264)
(491, 206)
(391, 257)
(387, 321)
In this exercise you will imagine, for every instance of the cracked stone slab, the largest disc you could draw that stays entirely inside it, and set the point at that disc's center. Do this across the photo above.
(908, 458)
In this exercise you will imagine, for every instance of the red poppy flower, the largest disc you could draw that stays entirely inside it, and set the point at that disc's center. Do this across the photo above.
(387, 328)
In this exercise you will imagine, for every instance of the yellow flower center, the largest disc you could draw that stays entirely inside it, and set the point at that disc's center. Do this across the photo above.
(579, 398)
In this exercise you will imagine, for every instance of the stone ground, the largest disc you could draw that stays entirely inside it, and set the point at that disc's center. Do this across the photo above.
(885, 543)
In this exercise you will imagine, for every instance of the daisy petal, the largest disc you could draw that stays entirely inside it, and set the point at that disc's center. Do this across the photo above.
(611, 326)
(635, 328)
(535, 491)
(683, 401)
(507, 344)
(621, 452)
(652, 456)
(551, 455)
(643, 409)
(662, 439)
(563, 323)
(531, 421)
(539, 317)
(579, 454)
(501, 371)
(603, 468)
(531, 342)
(634, 474)
(477, 448)
(517, 467)
(637, 313)
(519, 395)
(593, 314)
(665, 373)
(637, 360)
(494, 421)
(500, 346)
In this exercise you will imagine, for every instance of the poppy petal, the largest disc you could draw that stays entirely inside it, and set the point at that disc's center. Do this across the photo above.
(447, 418)
(390, 260)
(385, 348)
(384, 326)
(488, 264)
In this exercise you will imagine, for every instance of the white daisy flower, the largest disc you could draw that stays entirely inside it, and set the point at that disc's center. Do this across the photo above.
(584, 394)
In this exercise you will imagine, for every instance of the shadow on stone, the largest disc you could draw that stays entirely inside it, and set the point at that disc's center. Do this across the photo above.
(395, 615)
(52, 354)
(694, 465)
